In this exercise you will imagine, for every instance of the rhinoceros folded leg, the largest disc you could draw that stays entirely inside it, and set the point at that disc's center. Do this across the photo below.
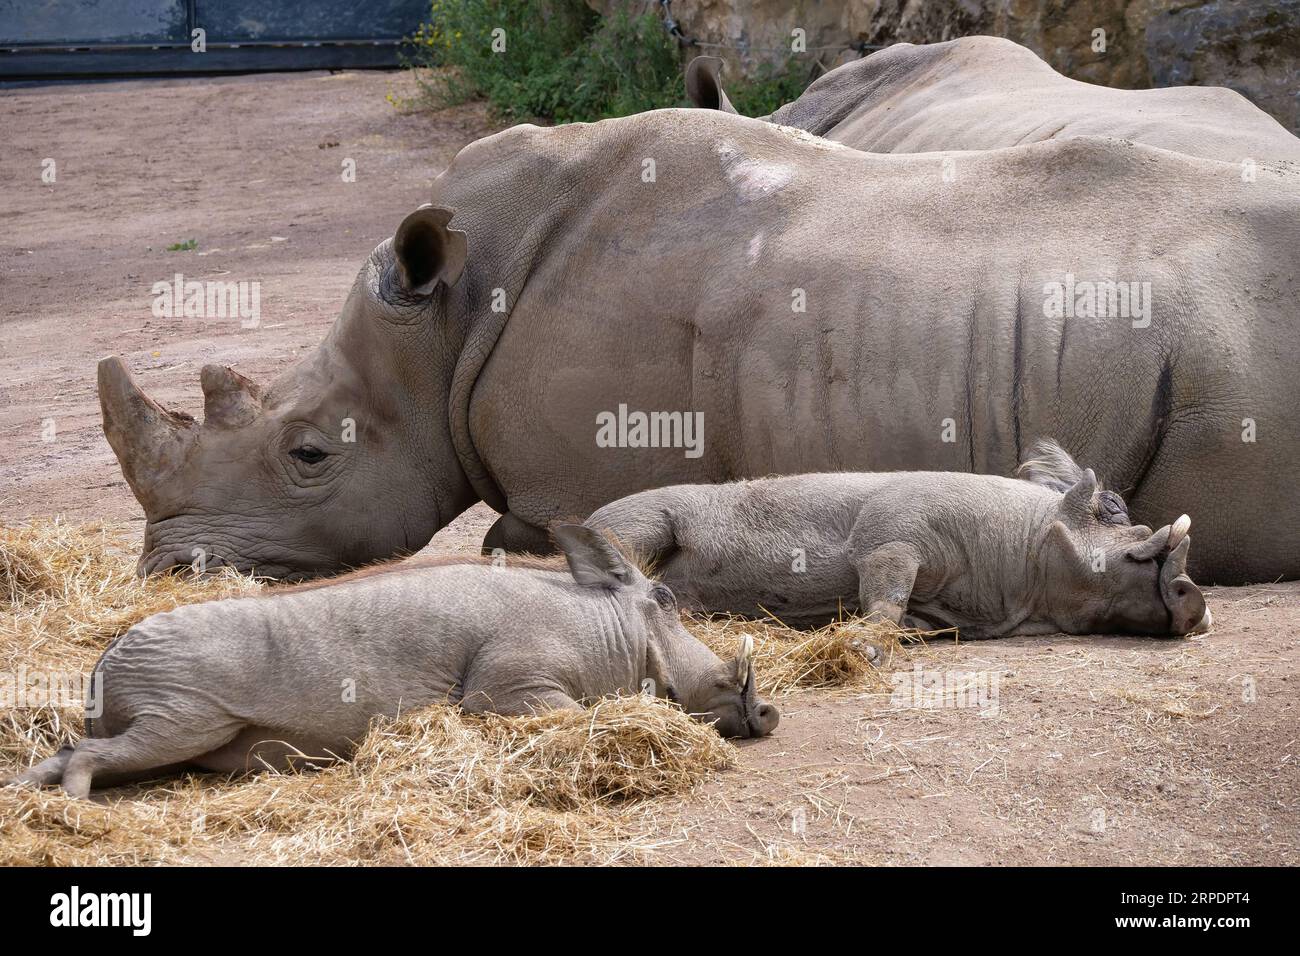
(140, 748)
(514, 536)
(885, 578)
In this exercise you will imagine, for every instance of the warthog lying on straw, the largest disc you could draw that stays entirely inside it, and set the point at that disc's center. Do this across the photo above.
(236, 685)
(991, 556)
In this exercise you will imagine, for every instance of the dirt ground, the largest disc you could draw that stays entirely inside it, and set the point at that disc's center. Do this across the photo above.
(1101, 749)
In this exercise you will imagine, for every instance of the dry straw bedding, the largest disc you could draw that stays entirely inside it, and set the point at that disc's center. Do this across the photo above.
(433, 786)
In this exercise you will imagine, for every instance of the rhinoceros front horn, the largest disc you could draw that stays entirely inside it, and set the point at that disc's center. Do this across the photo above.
(148, 440)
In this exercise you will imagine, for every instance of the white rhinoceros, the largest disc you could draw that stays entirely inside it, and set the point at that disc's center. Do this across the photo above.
(985, 92)
(686, 296)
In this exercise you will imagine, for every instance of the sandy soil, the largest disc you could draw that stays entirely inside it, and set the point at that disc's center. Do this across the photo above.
(1102, 749)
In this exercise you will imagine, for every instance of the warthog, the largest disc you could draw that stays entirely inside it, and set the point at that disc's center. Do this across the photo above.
(236, 685)
(992, 556)
(984, 92)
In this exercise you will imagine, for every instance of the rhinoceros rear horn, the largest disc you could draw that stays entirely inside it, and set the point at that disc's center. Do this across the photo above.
(704, 84)
(229, 399)
(427, 251)
(148, 440)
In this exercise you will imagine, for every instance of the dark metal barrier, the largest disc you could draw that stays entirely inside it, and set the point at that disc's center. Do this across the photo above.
(52, 38)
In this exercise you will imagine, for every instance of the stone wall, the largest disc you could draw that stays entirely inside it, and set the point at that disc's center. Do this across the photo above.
(1252, 46)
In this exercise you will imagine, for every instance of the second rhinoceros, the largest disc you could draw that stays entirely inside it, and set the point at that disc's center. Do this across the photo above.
(990, 556)
(237, 685)
(984, 92)
(802, 306)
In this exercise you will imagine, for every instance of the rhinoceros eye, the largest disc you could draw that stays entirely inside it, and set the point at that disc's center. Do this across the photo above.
(308, 454)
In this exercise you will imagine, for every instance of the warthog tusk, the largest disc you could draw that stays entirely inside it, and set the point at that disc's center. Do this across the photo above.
(745, 659)
(1178, 532)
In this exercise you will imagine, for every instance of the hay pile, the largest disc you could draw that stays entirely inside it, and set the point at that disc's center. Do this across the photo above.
(434, 786)
(836, 655)
(65, 592)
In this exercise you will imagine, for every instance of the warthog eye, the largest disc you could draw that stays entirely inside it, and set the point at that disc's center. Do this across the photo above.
(308, 454)
(664, 596)
(1112, 509)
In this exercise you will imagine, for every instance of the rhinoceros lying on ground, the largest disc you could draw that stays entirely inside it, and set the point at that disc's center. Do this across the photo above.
(801, 306)
(236, 685)
(986, 93)
(991, 556)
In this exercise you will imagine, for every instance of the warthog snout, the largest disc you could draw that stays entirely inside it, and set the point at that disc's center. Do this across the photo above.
(764, 720)
(730, 701)
(1187, 611)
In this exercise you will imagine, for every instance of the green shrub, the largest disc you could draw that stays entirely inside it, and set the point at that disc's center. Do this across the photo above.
(563, 62)
(770, 88)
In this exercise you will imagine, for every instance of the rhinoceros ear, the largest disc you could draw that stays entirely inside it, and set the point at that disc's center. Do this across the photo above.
(427, 251)
(593, 560)
(704, 84)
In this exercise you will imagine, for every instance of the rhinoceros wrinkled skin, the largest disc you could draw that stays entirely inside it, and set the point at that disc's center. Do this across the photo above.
(990, 556)
(239, 684)
(984, 92)
(814, 308)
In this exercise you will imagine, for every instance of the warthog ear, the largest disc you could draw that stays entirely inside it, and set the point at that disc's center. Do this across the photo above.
(593, 560)
(704, 84)
(1078, 505)
(427, 251)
